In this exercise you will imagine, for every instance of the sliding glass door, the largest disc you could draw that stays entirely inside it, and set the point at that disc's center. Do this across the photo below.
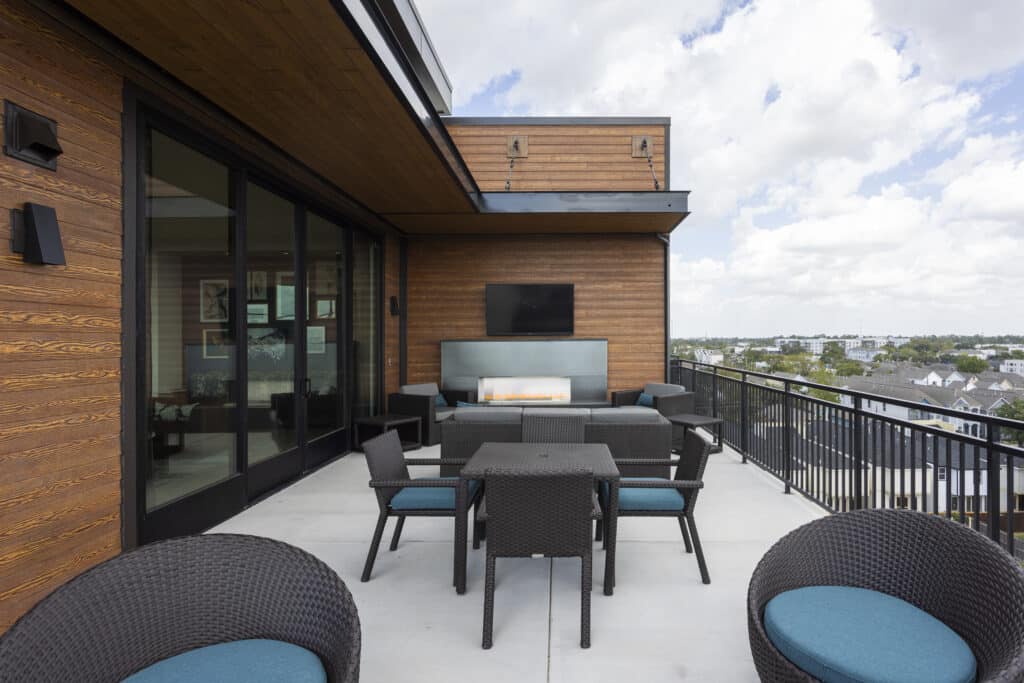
(259, 336)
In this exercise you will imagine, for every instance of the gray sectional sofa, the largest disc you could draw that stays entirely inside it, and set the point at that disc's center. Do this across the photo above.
(420, 400)
(630, 432)
(669, 399)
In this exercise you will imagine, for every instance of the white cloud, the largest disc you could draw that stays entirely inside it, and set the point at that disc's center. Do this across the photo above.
(778, 119)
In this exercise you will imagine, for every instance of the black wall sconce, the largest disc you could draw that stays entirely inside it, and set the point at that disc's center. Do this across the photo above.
(35, 234)
(395, 308)
(30, 137)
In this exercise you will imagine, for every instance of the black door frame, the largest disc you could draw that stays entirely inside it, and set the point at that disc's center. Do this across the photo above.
(216, 502)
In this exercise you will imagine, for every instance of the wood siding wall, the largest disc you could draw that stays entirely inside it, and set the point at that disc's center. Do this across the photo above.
(60, 326)
(620, 294)
(561, 157)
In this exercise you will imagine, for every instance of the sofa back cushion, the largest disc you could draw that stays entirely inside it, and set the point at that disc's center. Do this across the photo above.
(499, 414)
(428, 389)
(655, 389)
(626, 415)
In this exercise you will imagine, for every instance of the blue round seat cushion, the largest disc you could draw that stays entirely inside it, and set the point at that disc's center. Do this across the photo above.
(248, 661)
(841, 634)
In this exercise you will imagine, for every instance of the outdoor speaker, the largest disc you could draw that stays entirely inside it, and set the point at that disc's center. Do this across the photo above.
(36, 234)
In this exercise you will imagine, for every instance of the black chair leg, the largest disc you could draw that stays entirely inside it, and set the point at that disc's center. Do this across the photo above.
(686, 535)
(700, 551)
(599, 535)
(585, 590)
(374, 545)
(397, 534)
(489, 604)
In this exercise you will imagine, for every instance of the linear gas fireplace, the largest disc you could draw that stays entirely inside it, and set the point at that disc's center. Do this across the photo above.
(520, 390)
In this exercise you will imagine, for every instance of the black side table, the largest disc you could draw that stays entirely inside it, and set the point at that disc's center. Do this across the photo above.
(408, 429)
(693, 421)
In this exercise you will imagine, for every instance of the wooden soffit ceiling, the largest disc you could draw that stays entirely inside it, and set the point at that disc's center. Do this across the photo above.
(294, 72)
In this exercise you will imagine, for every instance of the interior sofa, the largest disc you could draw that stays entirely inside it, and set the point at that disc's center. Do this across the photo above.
(420, 400)
(667, 399)
(630, 432)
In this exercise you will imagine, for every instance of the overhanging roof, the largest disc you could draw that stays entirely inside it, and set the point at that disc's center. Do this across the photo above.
(558, 212)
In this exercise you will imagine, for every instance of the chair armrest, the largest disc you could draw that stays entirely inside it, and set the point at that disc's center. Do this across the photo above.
(675, 404)
(433, 461)
(412, 405)
(453, 396)
(661, 484)
(625, 398)
(419, 483)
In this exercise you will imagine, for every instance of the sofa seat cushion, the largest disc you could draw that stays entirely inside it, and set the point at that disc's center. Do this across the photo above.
(557, 412)
(442, 414)
(245, 661)
(842, 634)
(668, 500)
(501, 414)
(428, 497)
(428, 389)
(655, 389)
(626, 415)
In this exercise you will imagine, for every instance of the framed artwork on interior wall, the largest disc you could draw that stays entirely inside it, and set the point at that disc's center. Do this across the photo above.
(267, 343)
(216, 343)
(257, 313)
(214, 301)
(316, 340)
(284, 296)
(326, 309)
(257, 285)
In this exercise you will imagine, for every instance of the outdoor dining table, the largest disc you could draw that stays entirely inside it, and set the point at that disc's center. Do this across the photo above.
(530, 457)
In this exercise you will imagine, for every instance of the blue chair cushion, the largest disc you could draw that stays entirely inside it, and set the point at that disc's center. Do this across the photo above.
(650, 499)
(440, 401)
(841, 634)
(428, 498)
(645, 400)
(251, 661)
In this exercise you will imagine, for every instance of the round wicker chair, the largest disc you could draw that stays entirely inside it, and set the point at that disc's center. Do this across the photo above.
(954, 573)
(173, 596)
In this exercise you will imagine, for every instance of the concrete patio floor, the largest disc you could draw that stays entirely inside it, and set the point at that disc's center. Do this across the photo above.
(662, 624)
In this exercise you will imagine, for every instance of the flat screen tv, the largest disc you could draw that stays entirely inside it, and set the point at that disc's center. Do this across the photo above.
(529, 309)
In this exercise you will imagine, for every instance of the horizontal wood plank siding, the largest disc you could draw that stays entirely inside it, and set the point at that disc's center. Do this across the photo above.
(619, 286)
(561, 157)
(60, 326)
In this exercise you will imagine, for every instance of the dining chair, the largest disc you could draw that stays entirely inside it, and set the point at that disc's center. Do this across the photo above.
(675, 497)
(539, 513)
(399, 495)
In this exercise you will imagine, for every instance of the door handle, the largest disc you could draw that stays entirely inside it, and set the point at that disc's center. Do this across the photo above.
(308, 387)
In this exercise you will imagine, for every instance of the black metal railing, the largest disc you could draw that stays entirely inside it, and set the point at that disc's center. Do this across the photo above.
(866, 450)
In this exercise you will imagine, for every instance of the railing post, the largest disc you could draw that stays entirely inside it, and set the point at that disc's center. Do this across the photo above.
(744, 408)
(991, 438)
(714, 391)
(858, 454)
(787, 425)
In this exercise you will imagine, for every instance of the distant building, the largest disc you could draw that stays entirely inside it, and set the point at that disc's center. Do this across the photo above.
(1012, 365)
(864, 354)
(709, 356)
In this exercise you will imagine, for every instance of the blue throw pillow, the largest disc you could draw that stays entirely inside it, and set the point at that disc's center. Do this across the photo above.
(440, 402)
(645, 400)
(464, 404)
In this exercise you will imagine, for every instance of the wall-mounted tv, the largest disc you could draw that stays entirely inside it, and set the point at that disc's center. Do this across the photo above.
(529, 309)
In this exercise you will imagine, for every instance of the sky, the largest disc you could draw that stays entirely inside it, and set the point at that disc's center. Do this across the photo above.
(854, 167)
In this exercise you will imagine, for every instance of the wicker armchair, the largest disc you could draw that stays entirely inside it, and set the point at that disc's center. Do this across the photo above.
(954, 573)
(539, 513)
(669, 399)
(677, 497)
(164, 599)
(401, 496)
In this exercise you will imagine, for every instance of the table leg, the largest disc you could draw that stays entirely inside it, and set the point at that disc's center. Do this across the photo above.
(613, 523)
(461, 496)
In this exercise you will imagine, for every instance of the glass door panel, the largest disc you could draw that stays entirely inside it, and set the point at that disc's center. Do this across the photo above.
(271, 326)
(325, 277)
(189, 375)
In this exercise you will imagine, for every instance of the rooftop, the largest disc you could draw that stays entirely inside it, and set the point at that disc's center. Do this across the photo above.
(673, 626)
